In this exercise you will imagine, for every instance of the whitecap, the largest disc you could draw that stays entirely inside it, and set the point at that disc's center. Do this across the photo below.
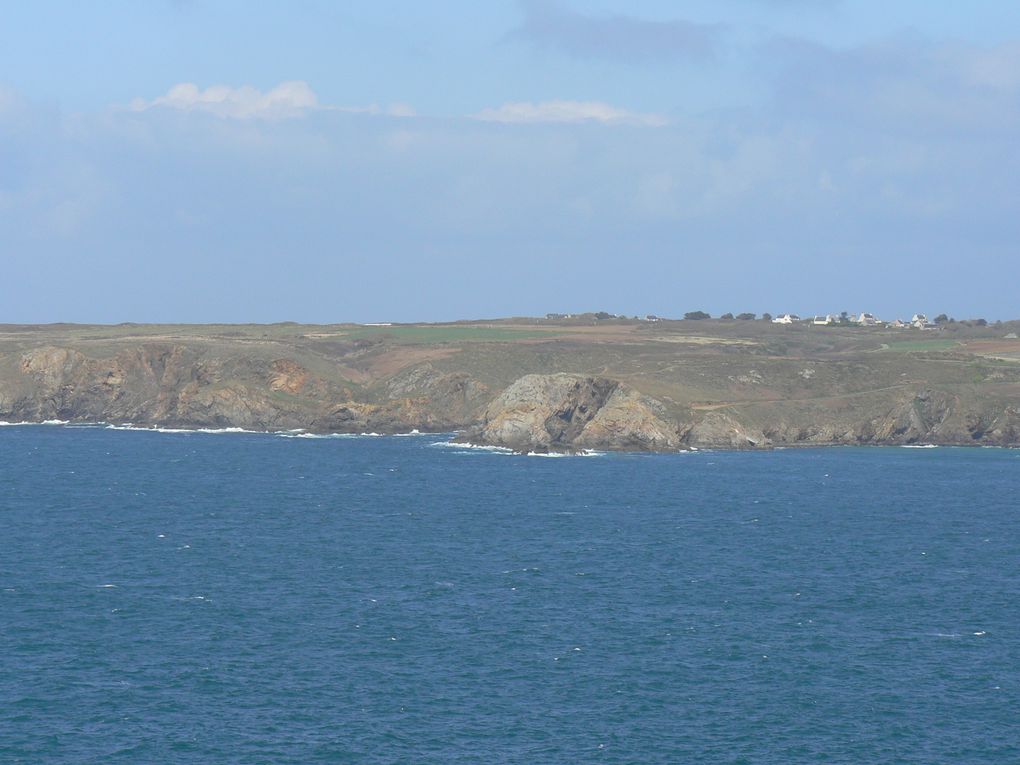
(581, 453)
(43, 422)
(289, 434)
(207, 431)
(468, 448)
(919, 446)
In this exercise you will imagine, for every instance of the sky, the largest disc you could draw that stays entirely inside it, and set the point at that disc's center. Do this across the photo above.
(318, 161)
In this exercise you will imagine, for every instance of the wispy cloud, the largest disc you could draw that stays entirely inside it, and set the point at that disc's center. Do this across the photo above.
(567, 111)
(288, 99)
(550, 25)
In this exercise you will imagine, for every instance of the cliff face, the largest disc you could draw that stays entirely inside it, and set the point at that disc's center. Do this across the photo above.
(179, 386)
(569, 412)
(563, 412)
(652, 394)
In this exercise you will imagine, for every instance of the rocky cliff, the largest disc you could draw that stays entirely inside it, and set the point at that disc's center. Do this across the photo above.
(563, 412)
(650, 394)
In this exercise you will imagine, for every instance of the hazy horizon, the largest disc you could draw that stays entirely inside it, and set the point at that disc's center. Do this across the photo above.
(194, 161)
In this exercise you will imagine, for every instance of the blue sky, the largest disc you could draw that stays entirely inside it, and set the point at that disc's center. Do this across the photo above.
(393, 161)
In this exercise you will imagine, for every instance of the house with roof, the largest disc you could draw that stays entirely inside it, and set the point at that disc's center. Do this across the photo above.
(920, 321)
(868, 320)
(786, 318)
(826, 320)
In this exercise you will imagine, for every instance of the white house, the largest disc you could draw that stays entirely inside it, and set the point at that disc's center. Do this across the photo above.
(898, 324)
(868, 320)
(919, 321)
(786, 318)
(825, 320)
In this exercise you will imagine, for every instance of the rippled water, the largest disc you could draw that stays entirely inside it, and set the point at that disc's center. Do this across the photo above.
(234, 598)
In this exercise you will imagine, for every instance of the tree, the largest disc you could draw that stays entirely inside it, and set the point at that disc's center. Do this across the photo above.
(746, 316)
(766, 317)
(726, 316)
(603, 315)
(941, 319)
(697, 315)
(844, 317)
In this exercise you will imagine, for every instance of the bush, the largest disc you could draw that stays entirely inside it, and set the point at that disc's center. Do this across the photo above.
(726, 316)
(766, 317)
(746, 316)
(697, 315)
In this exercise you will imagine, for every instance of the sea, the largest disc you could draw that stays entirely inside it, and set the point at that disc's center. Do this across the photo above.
(225, 597)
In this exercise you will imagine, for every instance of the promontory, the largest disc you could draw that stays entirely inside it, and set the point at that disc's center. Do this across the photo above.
(553, 384)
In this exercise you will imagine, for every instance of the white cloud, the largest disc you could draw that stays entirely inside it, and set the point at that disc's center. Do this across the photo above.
(288, 99)
(567, 111)
(391, 110)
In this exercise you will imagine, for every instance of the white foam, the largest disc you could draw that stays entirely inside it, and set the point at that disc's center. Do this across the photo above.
(218, 430)
(208, 431)
(462, 448)
(919, 446)
(582, 453)
(44, 422)
(468, 448)
(289, 434)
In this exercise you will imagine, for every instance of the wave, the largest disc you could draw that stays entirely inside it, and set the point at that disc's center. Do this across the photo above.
(209, 431)
(291, 434)
(582, 453)
(469, 448)
(919, 446)
(4, 423)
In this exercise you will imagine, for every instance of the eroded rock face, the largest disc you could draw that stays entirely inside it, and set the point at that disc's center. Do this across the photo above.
(210, 384)
(717, 430)
(564, 412)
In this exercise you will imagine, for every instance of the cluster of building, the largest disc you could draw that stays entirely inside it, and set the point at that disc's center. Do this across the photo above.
(917, 321)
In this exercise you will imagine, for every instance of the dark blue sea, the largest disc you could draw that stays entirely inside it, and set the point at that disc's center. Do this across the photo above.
(247, 598)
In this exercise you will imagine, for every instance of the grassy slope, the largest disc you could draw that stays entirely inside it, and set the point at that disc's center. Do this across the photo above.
(699, 364)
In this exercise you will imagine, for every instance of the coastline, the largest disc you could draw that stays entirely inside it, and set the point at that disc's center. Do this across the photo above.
(456, 441)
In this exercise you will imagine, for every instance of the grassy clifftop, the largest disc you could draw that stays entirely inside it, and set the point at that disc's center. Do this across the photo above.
(732, 379)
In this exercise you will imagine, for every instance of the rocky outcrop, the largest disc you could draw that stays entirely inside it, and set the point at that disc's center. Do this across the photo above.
(718, 430)
(323, 385)
(564, 412)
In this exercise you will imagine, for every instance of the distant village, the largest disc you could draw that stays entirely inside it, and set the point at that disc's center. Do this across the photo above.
(918, 321)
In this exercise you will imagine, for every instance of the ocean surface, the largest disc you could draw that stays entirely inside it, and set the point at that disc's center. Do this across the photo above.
(247, 598)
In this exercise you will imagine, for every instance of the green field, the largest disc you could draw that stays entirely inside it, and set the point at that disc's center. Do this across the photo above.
(448, 334)
(922, 345)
